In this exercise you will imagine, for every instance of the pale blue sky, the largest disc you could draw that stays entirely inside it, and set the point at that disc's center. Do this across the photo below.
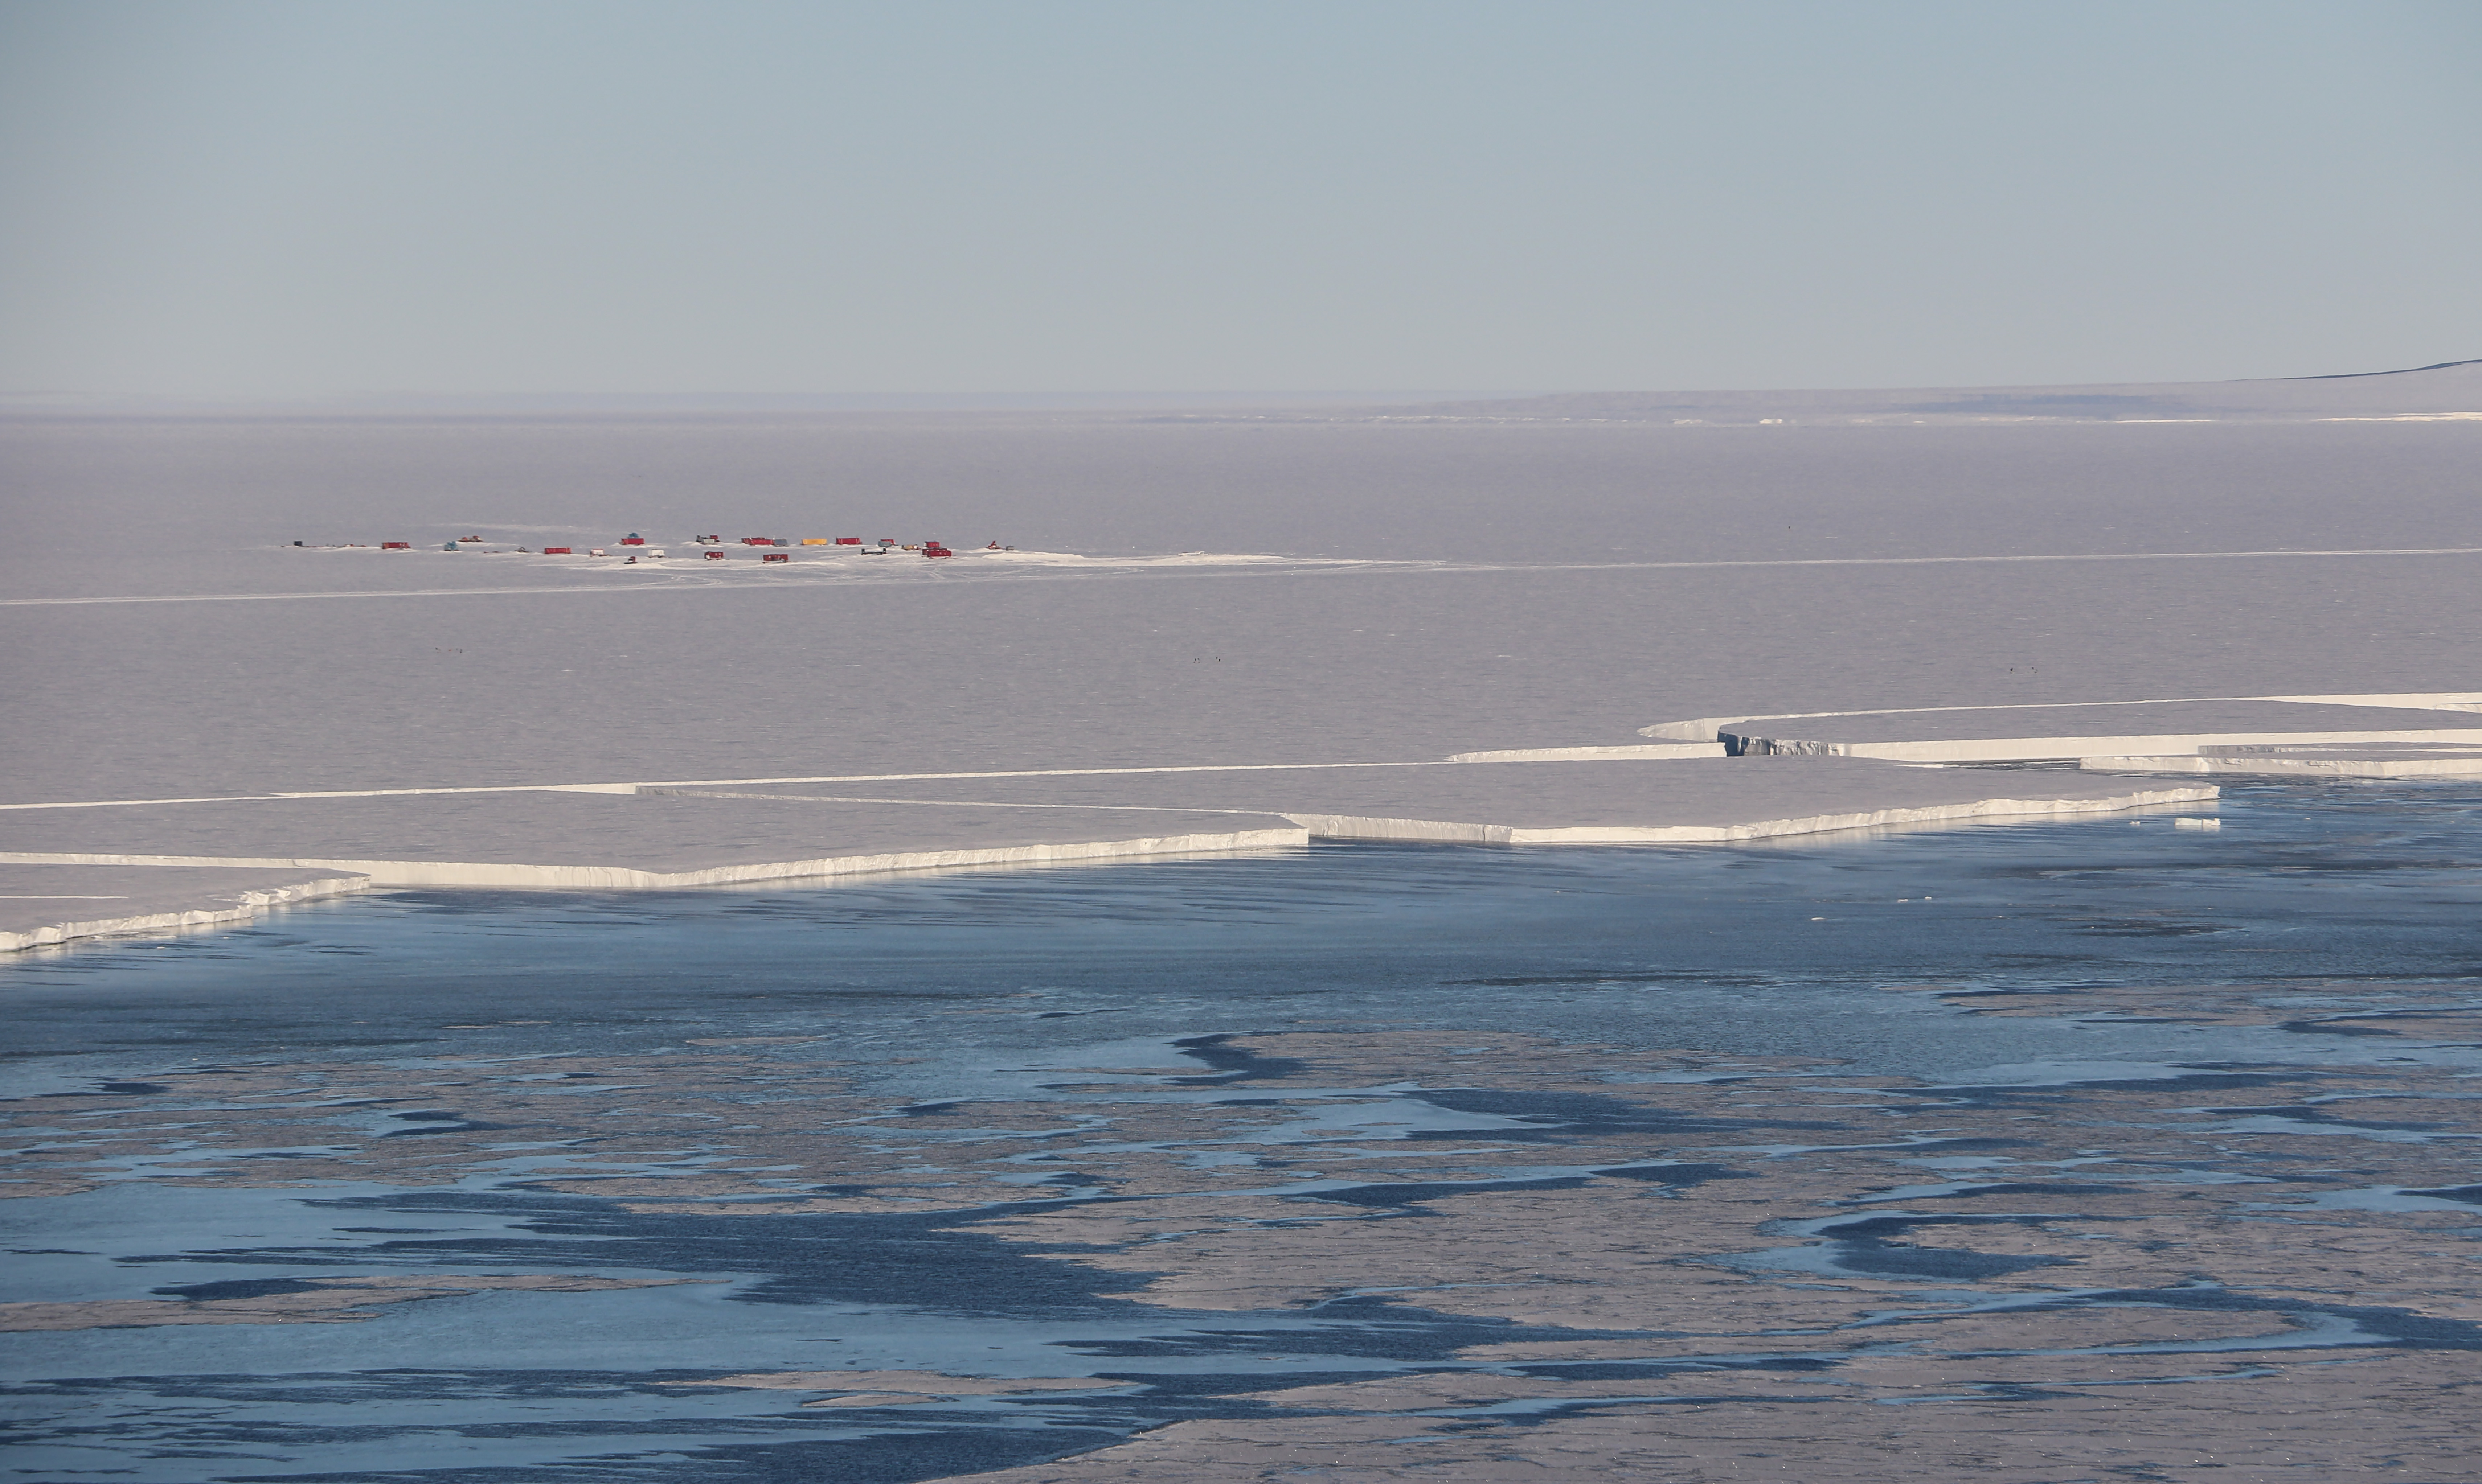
(240, 198)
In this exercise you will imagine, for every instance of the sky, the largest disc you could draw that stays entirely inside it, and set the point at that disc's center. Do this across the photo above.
(270, 198)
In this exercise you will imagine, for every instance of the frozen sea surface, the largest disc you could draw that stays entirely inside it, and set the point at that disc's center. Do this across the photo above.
(1380, 931)
(1444, 590)
(2017, 1153)
(1190, 594)
(2122, 1140)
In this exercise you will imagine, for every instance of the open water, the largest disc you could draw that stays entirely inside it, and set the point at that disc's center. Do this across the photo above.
(817, 1111)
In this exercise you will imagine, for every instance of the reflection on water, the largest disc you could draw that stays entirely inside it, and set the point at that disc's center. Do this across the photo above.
(1360, 1159)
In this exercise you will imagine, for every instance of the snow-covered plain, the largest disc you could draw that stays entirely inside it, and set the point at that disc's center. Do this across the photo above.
(1212, 592)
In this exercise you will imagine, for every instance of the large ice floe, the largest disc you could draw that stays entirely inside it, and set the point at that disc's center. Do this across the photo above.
(2000, 734)
(42, 904)
(1757, 780)
(671, 835)
(1680, 802)
(1457, 624)
(537, 839)
(2382, 759)
(655, 835)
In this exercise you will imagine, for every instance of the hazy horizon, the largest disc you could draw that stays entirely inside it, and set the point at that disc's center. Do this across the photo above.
(1007, 400)
(266, 199)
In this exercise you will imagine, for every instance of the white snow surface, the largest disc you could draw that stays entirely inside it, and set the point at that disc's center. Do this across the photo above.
(2356, 759)
(1680, 801)
(541, 839)
(1347, 598)
(2016, 734)
(676, 835)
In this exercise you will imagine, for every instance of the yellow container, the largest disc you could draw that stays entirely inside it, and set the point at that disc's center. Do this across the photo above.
(814, 541)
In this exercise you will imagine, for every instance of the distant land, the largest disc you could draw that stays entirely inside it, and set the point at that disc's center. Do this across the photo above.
(2448, 389)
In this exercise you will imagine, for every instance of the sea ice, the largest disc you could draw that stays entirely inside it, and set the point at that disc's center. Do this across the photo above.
(46, 905)
(2018, 734)
(1506, 586)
